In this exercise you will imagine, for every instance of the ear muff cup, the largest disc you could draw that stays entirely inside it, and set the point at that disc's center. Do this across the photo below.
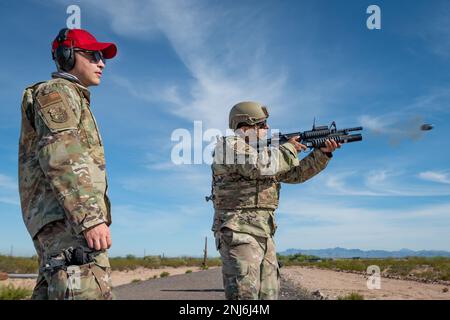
(64, 56)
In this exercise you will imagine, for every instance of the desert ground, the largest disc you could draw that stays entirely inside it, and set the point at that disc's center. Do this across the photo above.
(333, 284)
(118, 277)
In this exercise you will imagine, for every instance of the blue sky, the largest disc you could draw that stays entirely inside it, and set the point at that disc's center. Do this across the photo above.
(185, 61)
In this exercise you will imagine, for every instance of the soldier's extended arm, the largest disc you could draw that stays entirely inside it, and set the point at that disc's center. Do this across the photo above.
(246, 161)
(307, 168)
(64, 160)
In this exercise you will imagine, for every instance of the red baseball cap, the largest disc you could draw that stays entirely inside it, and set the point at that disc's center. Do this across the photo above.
(79, 38)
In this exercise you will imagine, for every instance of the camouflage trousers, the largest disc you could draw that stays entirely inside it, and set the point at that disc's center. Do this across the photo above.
(91, 281)
(249, 266)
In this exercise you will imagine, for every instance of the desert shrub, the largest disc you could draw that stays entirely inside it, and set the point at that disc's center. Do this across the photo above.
(131, 262)
(352, 296)
(436, 268)
(18, 264)
(11, 292)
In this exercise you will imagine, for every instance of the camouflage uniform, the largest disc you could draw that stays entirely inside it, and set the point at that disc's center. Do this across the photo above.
(62, 184)
(245, 193)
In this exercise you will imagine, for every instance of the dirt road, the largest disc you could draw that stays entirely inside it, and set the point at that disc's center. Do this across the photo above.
(202, 285)
(296, 283)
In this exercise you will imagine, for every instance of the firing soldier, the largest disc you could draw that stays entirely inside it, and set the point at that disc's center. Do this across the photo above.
(245, 191)
(62, 177)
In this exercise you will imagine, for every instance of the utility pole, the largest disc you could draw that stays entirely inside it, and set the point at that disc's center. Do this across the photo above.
(11, 251)
(205, 254)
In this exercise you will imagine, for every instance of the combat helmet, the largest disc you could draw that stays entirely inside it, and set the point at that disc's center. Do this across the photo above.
(247, 112)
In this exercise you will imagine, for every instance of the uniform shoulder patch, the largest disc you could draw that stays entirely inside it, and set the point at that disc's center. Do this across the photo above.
(241, 147)
(56, 112)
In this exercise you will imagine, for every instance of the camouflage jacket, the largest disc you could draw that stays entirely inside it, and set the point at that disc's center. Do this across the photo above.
(61, 158)
(246, 186)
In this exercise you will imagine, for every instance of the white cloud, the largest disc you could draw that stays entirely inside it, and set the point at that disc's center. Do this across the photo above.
(377, 177)
(376, 124)
(336, 184)
(13, 200)
(7, 182)
(437, 32)
(149, 92)
(435, 176)
(404, 124)
(406, 120)
(225, 69)
(146, 219)
(319, 223)
(184, 180)
(176, 230)
(390, 182)
(396, 126)
(8, 190)
(436, 100)
(227, 52)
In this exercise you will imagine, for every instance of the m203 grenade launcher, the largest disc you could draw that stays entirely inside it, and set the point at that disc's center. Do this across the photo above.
(316, 137)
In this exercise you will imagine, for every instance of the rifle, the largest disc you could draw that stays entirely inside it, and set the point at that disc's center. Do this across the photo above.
(316, 137)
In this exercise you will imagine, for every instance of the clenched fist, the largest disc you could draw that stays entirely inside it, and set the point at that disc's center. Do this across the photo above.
(98, 237)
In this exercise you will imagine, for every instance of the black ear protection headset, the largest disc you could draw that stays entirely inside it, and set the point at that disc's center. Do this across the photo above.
(63, 55)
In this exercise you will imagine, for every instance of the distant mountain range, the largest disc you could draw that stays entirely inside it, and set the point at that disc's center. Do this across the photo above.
(351, 253)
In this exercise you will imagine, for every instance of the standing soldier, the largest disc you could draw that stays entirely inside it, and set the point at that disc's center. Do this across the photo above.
(245, 192)
(62, 178)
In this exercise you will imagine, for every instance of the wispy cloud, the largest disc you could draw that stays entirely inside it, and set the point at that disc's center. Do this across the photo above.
(338, 185)
(181, 180)
(404, 123)
(380, 183)
(226, 52)
(7, 182)
(172, 229)
(8, 190)
(13, 200)
(435, 176)
(437, 31)
(149, 92)
(307, 224)
(223, 70)
(221, 53)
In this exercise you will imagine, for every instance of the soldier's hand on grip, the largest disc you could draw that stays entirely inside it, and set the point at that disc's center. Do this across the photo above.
(331, 145)
(98, 237)
(297, 145)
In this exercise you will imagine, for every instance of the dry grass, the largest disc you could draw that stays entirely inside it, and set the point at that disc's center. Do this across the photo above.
(437, 268)
(30, 265)
(11, 292)
(352, 296)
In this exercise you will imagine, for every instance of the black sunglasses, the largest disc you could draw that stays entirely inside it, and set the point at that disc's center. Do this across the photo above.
(94, 56)
(262, 125)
